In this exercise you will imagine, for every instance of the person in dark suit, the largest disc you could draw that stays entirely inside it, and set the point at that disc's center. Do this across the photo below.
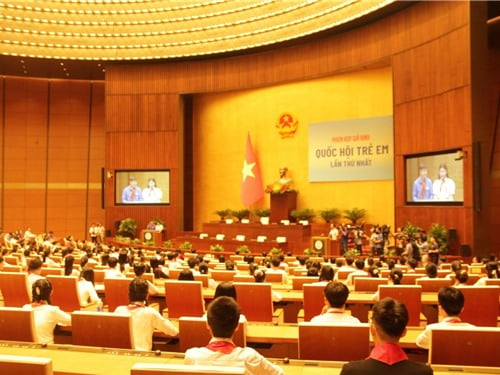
(387, 327)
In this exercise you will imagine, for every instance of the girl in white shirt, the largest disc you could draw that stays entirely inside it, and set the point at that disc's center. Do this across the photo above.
(86, 289)
(46, 316)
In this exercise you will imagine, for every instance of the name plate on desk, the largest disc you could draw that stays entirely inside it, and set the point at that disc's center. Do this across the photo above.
(220, 237)
(261, 238)
(280, 239)
(245, 221)
(203, 235)
(285, 222)
(240, 237)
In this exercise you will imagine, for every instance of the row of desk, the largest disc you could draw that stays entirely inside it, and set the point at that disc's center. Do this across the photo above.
(71, 360)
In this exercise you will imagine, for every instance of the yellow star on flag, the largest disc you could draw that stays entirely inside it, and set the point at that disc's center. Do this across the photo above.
(247, 170)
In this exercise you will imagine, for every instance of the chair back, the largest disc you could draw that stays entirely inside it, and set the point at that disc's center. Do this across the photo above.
(99, 275)
(298, 281)
(411, 278)
(243, 278)
(492, 281)
(465, 346)
(184, 298)
(255, 300)
(332, 342)
(193, 332)
(481, 305)
(102, 329)
(433, 285)
(203, 278)
(342, 275)
(181, 369)
(116, 292)
(274, 277)
(314, 300)
(12, 268)
(65, 292)
(52, 271)
(222, 275)
(14, 287)
(368, 284)
(16, 364)
(410, 295)
(17, 324)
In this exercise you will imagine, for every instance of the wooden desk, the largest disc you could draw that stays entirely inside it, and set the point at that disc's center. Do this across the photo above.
(79, 361)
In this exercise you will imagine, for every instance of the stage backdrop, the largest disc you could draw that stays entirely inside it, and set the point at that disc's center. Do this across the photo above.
(351, 150)
(223, 120)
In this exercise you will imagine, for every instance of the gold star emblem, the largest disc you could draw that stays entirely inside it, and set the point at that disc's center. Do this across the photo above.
(247, 170)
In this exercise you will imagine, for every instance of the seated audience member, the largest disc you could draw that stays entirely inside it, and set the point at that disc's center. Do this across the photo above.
(193, 265)
(430, 271)
(227, 289)
(46, 316)
(312, 272)
(389, 321)
(229, 265)
(346, 267)
(156, 268)
(395, 277)
(450, 305)
(461, 278)
(186, 275)
(69, 260)
(325, 276)
(86, 289)
(145, 319)
(223, 317)
(360, 265)
(492, 272)
(412, 264)
(203, 269)
(374, 271)
(259, 276)
(113, 269)
(456, 266)
(34, 273)
(275, 268)
(139, 270)
(336, 294)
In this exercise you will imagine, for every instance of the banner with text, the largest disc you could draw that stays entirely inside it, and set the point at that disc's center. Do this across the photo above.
(351, 150)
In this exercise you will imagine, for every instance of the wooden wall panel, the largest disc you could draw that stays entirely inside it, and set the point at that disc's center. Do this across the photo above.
(47, 147)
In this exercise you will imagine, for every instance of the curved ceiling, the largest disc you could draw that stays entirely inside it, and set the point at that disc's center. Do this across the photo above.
(114, 30)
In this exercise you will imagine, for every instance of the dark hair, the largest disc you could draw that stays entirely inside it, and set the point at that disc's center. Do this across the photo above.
(41, 290)
(229, 265)
(192, 262)
(391, 264)
(138, 290)
(35, 264)
(223, 316)
(203, 268)
(225, 288)
(336, 293)
(112, 262)
(390, 316)
(396, 275)
(312, 271)
(413, 263)
(186, 275)
(68, 264)
(275, 261)
(259, 276)
(374, 271)
(139, 269)
(462, 276)
(456, 266)
(431, 270)
(339, 262)
(360, 264)
(492, 270)
(451, 300)
(87, 274)
(326, 273)
(349, 261)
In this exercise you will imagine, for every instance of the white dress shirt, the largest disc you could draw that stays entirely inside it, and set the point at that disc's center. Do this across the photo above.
(250, 359)
(335, 315)
(87, 293)
(46, 318)
(449, 322)
(145, 320)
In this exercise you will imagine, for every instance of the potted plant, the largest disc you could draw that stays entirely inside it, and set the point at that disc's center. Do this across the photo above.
(127, 228)
(411, 230)
(351, 253)
(440, 233)
(217, 248)
(355, 214)
(168, 244)
(223, 214)
(243, 249)
(186, 245)
(303, 214)
(263, 214)
(275, 251)
(241, 214)
(330, 214)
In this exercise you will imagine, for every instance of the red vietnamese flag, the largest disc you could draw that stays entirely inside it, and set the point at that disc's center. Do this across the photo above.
(251, 184)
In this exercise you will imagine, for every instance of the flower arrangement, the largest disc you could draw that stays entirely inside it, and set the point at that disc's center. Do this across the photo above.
(278, 188)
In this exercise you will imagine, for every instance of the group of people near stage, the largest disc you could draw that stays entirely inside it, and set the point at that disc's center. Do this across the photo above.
(132, 193)
(224, 313)
(442, 189)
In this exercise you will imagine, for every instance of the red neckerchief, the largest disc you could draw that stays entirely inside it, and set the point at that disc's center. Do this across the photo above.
(452, 319)
(224, 347)
(388, 354)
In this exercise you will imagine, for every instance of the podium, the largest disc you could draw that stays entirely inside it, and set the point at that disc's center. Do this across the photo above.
(148, 235)
(281, 205)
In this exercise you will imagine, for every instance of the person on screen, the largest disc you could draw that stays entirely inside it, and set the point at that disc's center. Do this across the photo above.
(444, 187)
(132, 193)
(151, 193)
(422, 186)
